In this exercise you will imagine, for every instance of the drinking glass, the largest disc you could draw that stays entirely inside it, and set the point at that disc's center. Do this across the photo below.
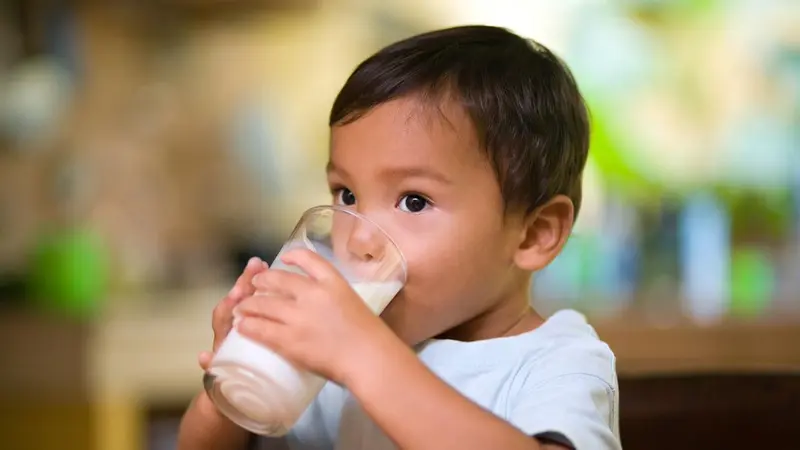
(259, 390)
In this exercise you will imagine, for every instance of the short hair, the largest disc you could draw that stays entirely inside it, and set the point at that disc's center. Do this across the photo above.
(523, 101)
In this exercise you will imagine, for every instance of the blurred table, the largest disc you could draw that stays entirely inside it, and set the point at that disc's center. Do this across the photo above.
(141, 353)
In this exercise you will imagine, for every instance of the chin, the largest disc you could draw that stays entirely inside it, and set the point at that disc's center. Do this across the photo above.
(398, 319)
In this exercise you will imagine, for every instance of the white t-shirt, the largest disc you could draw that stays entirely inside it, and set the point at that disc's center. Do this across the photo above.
(557, 381)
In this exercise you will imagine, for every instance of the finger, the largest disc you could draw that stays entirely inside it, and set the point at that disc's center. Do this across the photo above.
(270, 333)
(281, 282)
(311, 263)
(204, 359)
(244, 284)
(273, 307)
(222, 316)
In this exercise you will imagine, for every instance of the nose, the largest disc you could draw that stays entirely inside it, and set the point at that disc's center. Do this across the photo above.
(365, 242)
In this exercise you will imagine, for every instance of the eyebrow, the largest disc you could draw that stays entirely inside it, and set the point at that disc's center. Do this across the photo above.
(399, 172)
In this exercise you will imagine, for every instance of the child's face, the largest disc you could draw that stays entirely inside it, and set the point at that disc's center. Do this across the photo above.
(421, 176)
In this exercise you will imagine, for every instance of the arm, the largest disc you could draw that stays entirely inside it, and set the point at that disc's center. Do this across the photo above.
(419, 411)
(204, 428)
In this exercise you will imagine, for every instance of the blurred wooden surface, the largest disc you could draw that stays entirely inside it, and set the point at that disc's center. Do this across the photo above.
(732, 347)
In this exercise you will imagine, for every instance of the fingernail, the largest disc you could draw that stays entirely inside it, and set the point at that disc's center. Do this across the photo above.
(253, 261)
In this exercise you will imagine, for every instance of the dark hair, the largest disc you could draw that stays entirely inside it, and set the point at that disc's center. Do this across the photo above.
(524, 103)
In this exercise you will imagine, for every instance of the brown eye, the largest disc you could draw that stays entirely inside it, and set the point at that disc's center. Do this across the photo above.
(346, 197)
(413, 203)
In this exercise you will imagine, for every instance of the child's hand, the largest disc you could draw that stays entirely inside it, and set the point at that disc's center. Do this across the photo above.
(315, 321)
(222, 317)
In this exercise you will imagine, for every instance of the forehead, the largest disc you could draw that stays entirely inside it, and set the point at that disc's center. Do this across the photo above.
(409, 131)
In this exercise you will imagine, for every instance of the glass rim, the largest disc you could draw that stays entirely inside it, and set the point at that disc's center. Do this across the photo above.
(339, 208)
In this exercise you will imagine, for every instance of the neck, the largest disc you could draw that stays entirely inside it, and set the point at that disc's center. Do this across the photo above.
(510, 316)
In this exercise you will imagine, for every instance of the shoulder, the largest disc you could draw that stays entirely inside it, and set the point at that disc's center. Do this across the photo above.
(566, 383)
(566, 345)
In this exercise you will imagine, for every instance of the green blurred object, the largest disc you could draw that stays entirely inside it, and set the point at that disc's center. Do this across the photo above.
(69, 274)
(608, 151)
(676, 8)
(752, 283)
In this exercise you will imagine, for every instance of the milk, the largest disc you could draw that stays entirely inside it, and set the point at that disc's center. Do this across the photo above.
(268, 392)
(377, 295)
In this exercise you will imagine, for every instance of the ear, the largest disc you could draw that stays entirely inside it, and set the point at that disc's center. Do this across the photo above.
(544, 233)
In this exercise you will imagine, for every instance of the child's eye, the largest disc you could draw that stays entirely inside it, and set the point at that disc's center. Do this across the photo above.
(413, 203)
(345, 197)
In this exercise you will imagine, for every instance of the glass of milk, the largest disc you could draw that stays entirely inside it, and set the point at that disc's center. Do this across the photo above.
(259, 390)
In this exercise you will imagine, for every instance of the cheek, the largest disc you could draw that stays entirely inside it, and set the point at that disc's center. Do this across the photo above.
(451, 249)
(452, 272)
(456, 272)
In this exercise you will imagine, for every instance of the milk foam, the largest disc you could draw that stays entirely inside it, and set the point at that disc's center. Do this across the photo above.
(271, 392)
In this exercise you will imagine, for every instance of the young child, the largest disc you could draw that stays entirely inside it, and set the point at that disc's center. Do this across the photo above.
(467, 146)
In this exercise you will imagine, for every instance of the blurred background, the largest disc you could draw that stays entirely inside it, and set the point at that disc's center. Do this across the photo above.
(148, 148)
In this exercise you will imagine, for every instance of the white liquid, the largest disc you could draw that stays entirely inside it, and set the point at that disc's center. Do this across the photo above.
(268, 390)
(377, 295)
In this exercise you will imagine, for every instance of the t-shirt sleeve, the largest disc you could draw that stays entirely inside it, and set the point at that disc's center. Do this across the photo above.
(576, 410)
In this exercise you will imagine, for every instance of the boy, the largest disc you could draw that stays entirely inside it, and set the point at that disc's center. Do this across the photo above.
(467, 146)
